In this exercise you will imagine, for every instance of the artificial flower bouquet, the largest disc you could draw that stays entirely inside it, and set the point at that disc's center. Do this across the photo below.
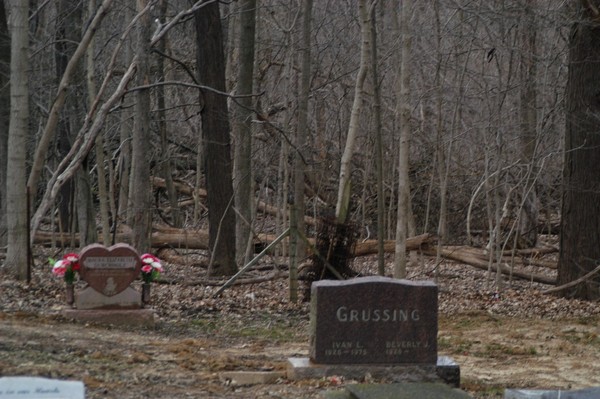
(151, 268)
(66, 267)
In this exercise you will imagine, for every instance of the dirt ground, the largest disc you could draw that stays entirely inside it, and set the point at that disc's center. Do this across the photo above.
(515, 337)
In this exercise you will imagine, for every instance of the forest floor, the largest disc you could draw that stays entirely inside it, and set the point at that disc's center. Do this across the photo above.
(516, 337)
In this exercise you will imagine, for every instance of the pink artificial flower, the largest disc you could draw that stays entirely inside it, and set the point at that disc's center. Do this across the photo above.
(146, 269)
(152, 261)
(71, 257)
(60, 268)
(73, 261)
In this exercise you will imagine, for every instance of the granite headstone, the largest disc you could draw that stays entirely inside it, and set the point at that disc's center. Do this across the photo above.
(374, 320)
(109, 273)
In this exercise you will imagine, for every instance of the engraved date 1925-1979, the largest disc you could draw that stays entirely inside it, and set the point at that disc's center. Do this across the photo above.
(345, 348)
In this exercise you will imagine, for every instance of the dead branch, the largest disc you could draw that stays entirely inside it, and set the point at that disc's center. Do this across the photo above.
(572, 283)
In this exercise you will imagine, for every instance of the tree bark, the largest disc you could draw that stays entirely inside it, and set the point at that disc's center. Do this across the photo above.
(4, 115)
(297, 222)
(378, 146)
(580, 224)
(528, 207)
(103, 195)
(403, 113)
(141, 215)
(215, 135)
(161, 122)
(242, 130)
(16, 189)
(343, 194)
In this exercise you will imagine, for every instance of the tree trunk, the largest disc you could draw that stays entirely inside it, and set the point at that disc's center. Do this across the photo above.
(403, 112)
(161, 122)
(103, 195)
(302, 132)
(66, 36)
(242, 131)
(579, 249)
(343, 195)
(125, 129)
(215, 135)
(378, 147)
(140, 171)
(528, 208)
(16, 187)
(4, 116)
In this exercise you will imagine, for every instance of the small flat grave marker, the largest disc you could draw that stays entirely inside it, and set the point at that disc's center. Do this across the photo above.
(40, 388)
(374, 320)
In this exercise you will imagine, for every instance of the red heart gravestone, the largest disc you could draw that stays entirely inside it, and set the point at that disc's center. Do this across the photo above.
(109, 270)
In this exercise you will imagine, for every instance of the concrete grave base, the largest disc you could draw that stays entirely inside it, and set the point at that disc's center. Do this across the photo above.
(132, 317)
(422, 390)
(446, 370)
(88, 298)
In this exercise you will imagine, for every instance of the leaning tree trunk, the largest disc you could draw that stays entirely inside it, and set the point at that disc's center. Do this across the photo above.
(343, 195)
(579, 249)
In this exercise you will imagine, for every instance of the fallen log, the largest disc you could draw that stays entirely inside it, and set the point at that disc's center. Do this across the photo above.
(183, 239)
(455, 254)
(170, 237)
(370, 247)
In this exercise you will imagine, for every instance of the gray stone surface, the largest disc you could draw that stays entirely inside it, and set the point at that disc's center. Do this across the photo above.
(374, 320)
(89, 298)
(588, 393)
(398, 391)
(303, 368)
(40, 388)
(131, 318)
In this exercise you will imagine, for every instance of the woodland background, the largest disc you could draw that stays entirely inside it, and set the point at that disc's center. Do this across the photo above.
(448, 118)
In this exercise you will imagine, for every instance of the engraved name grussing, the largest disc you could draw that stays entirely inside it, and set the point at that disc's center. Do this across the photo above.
(345, 314)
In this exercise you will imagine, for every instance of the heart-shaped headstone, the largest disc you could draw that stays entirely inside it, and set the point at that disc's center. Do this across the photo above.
(109, 270)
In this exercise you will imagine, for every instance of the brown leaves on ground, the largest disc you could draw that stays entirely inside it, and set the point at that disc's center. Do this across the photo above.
(510, 337)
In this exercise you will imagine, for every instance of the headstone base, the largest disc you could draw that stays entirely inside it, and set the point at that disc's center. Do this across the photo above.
(445, 370)
(135, 317)
(421, 390)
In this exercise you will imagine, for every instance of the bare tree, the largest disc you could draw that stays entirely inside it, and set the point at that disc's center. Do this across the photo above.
(16, 189)
(4, 115)
(103, 194)
(343, 194)
(403, 113)
(215, 135)
(141, 216)
(242, 128)
(61, 96)
(580, 223)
